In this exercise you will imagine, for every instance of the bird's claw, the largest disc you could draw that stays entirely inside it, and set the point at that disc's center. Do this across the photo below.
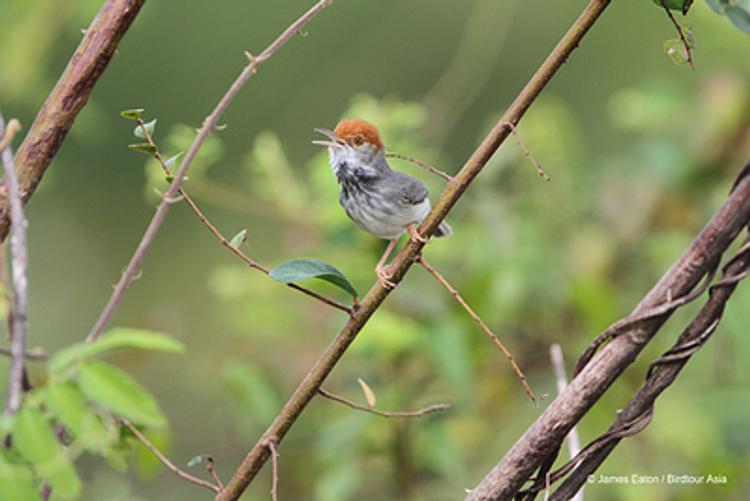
(414, 235)
(385, 274)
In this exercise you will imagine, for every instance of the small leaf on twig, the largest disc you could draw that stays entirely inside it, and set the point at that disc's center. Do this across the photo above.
(300, 269)
(239, 239)
(681, 5)
(146, 148)
(132, 114)
(369, 394)
(169, 162)
(675, 49)
(197, 460)
(149, 126)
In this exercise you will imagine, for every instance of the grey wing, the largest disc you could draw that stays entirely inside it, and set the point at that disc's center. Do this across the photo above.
(412, 191)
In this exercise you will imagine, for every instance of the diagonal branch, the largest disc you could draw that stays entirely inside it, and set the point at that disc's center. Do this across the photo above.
(543, 438)
(173, 192)
(312, 382)
(19, 263)
(68, 97)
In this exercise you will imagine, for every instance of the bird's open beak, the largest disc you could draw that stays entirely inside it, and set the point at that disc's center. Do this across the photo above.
(335, 141)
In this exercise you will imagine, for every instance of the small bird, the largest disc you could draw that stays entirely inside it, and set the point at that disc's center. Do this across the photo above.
(381, 201)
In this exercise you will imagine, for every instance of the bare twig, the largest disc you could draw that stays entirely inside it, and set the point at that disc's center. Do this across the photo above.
(37, 354)
(418, 413)
(313, 380)
(211, 467)
(424, 165)
(226, 243)
(165, 460)
(19, 264)
(208, 126)
(271, 445)
(68, 97)
(574, 441)
(526, 152)
(680, 31)
(477, 319)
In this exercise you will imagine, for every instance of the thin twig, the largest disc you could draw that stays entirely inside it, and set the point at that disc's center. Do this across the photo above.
(165, 461)
(36, 354)
(574, 441)
(208, 126)
(678, 27)
(526, 151)
(424, 165)
(211, 467)
(482, 325)
(19, 264)
(271, 445)
(183, 195)
(417, 413)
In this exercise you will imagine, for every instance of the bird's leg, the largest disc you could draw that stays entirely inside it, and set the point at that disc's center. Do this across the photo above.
(414, 234)
(384, 271)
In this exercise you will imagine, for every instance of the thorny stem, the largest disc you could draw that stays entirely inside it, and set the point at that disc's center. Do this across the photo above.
(165, 460)
(477, 319)
(208, 126)
(226, 243)
(19, 264)
(313, 380)
(397, 414)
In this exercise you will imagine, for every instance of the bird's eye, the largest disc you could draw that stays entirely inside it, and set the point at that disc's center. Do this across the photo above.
(358, 140)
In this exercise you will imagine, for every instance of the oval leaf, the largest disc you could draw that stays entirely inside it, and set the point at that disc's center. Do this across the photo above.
(739, 16)
(169, 162)
(35, 440)
(116, 390)
(300, 269)
(119, 337)
(132, 113)
(16, 481)
(149, 126)
(68, 404)
(369, 394)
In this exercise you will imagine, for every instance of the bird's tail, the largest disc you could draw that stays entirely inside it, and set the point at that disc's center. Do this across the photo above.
(443, 229)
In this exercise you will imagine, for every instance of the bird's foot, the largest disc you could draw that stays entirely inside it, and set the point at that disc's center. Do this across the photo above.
(414, 235)
(385, 273)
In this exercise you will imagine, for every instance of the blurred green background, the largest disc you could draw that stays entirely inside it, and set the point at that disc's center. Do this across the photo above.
(641, 152)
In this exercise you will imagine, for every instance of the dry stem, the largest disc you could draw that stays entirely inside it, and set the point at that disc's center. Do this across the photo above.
(418, 413)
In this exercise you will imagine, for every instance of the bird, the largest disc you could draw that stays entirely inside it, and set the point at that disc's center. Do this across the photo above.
(379, 200)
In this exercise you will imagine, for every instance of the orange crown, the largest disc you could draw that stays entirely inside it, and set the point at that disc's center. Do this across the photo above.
(352, 129)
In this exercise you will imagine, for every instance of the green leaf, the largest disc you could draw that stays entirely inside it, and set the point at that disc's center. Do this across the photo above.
(68, 404)
(119, 337)
(196, 460)
(149, 126)
(146, 148)
(147, 464)
(739, 17)
(35, 441)
(300, 269)
(239, 239)
(116, 390)
(717, 5)
(169, 162)
(681, 5)
(17, 481)
(676, 51)
(132, 114)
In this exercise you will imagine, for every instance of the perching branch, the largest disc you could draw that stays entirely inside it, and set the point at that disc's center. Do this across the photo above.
(165, 460)
(313, 380)
(538, 446)
(19, 264)
(226, 243)
(173, 192)
(68, 98)
(500, 346)
(418, 413)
